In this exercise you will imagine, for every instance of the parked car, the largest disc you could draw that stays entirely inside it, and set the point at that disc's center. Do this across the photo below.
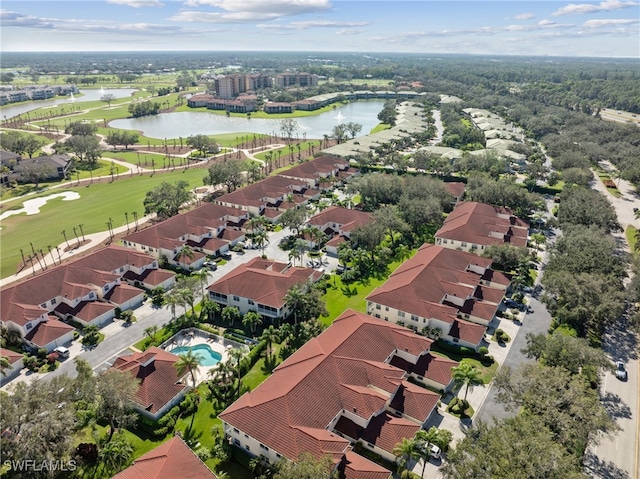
(212, 265)
(621, 371)
(226, 256)
(434, 451)
(63, 352)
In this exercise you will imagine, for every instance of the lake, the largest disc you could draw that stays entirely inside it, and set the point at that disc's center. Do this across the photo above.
(189, 123)
(14, 109)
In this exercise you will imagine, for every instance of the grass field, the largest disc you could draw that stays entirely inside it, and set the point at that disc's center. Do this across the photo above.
(630, 234)
(97, 204)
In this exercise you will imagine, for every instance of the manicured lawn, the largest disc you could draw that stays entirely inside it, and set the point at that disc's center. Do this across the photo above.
(340, 297)
(261, 370)
(487, 372)
(630, 234)
(97, 203)
(379, 127)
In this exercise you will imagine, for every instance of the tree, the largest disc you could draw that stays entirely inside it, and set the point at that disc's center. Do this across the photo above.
(229, 173)
(108, 98)
(115, 391)
(203, 144)
(564, 403)
(151, 331)
(172, 299)
(288, 128)
(506, 255)
(439, 437)
(185, 252)
(517, 448)
(466, 375)
(305, 303)
(210, 309)
(353, 128)
(339, 132)
(270, 335)
(369, 237)
(293, 219)
(230, 314)
(85, 147)
(252, 320)
(81, 128)
(305, 467)
(260, 239)
(584, 206)
(203, 278)
(189, 362)
(33, 171)
(4, 365)
(406, 451)
(166, 199)
(116, 454)
(91, 335)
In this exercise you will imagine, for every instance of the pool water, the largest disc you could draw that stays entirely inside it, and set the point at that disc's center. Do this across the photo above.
(208, 357)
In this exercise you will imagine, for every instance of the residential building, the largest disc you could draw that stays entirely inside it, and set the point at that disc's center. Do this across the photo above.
(172, 459)
(270, 197)
(15, 361)
(209, 229)
(87, 290)
(339, 389)
(473, 226)
(261, 286)
(457, 190)
(322, 172)
(285, 80)
(8, 161)
(160, 387)
(337, 223)
(277, 107)
(440, 288)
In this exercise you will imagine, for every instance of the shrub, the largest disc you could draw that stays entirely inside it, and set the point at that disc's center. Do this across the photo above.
(76, 335)
(483, 351)
(118, 313)
(42, 353)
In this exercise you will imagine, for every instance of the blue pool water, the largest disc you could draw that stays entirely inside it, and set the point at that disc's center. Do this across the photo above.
(208, 357)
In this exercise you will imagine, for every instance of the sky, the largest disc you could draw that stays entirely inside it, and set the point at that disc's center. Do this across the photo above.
(609, 28)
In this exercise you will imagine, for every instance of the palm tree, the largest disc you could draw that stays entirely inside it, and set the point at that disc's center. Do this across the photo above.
(256, 222)
(466, 375)
(252, 320)
(187, 298)
(406, 451)
(172, 299)
(261, 240)
(402, 252)
(230, 314)
(295, 300)
(209, 310)
(185, 252)
(425, 439)
(188, 363)
(234, 358)
(270, 335)
(203, 278)
(116, 454)
(151, 331)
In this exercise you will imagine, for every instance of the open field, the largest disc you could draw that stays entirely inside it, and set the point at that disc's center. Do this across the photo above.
(98, 203)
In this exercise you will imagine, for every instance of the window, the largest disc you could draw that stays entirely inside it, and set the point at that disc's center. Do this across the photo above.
(247, 436)
(251, 302)
(53, 301)
(44, 305)
(278, 455)
(263, 447)
(414, 318)
(444, 241)
(236, 298)
(121, 269)
(236, 430)
(91, 295)
(106, 287)
(455, 340)
(377, 316)
(236, 442)
(386, 318)
(401, 314)
(386, 308)
(463, 244)
(377, 306)
(247, 447)
(29, 326)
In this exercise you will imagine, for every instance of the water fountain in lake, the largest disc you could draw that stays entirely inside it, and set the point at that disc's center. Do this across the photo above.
(101, 90)
(72, 99)
(339, 116)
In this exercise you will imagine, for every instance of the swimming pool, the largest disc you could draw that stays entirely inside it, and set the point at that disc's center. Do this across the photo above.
(208, 357)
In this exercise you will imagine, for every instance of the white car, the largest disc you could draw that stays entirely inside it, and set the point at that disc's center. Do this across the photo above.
(621, 372)
(434, 451)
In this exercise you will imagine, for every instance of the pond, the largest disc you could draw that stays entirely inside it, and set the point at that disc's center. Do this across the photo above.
(189, 123)
(14, 109)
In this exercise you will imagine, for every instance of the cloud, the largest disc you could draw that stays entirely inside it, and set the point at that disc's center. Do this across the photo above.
(348, 31)
(606, 6)
(601, 23)
(312, 24)
(244, 11)
(138, 3)
(525, 16)
(14, 19)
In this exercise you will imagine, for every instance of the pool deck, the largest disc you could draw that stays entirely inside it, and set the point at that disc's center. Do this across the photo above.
(196, 337)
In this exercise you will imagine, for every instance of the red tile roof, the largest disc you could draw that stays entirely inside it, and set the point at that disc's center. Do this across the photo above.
(385, 431)
(261, 192)
(345, 218)
(482, 224)
(456, 188)
(420, 285)
(87, 311)
(467, 331)
(12, 356)
(159, 380)
(342, 369)
(152, 277)
(354, 466)
(265, 282)
(317, 168)
(415, 401)
(48, 331)
(170, 460)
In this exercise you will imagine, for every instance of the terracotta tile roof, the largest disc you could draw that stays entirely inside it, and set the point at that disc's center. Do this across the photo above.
(12, 356)
(87, 311)
(264, 282)
(436, 368)
(122, 293)
(385, 431)
(321, 166)
(456, 188)
(422, 284)
(415, 401)
(342, 369)
(48, 331)
(170, 460)
(21, 302)
(159, 380)
(483, 224)
(467, 331)
(345, 218)
(336, 241)
(354, 466)
(260, 192)
(152, 277)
